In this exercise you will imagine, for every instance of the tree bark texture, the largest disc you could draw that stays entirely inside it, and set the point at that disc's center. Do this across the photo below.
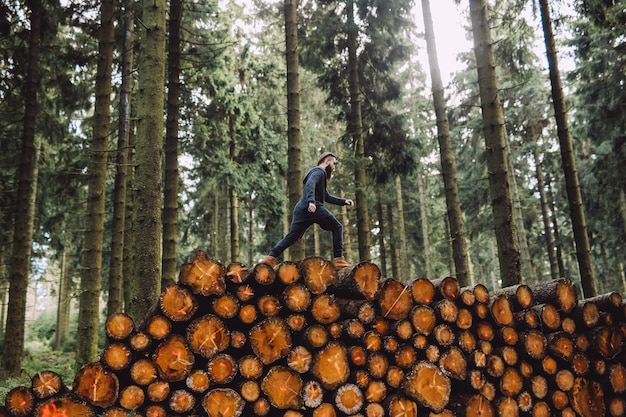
(294, 137)
(572, 185)
(448, 165)
(355, 127)
(120, 190)
(171, 177)
(62, 331)
(305, 339)
(22, 234)
(495, 145)
(147, 221)
(91, 280)
(545, 211)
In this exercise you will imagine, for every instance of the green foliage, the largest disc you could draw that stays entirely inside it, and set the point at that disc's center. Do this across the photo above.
(36, 360)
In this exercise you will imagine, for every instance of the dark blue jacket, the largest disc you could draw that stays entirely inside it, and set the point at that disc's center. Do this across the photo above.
(314, 190)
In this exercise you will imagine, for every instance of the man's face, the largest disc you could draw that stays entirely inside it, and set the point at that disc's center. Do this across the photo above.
(330, 167)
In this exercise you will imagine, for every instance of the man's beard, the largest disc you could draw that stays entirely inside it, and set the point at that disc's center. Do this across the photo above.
(329, 172)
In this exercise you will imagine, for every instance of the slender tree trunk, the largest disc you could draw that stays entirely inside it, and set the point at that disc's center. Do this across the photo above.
(223, 245)
(317, 245)
(448, 165)
(91, 277)
(214, 227)
(19, 269)
(234, 206)
(557, 234)
(402, 255)
(250, 231)
(446, 221)
(494, 130)
(234, 225)
(574, 197)
(622, 210)
(171, 178)
(4, 293)
(63, 306)
(148, 179)
(356, 130)
(545, 213)
(129, 264)
(294, 138)
(116, 266)
(395, 264)
(381, 236)
(528, 269)
(345, 220)
(424, 222)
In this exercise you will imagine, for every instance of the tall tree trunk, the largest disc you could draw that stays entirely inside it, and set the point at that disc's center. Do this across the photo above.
(622, 210)
(557, 234)
(317, 245)
(528, 269)
(545, 211)
(116, 265)
(356, 130)
(250, 230)
(23, 232)
(294, 137)
(129, 264)
(62, 330)
(170, 195)
(149, 148)
(381, 235)
(494, 130)
(214, 226)
(395, 264)
(448, 165)
(402, 255)
(574, 198)
(234, 225)
(91, 277)
(345, 220)
(446, 222)
(424, 222)
(4, 294)
(234, 206)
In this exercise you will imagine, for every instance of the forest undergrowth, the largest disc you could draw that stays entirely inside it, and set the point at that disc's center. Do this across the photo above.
(39, 357)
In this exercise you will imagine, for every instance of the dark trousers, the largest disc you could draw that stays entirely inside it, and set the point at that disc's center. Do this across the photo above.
(302, 220)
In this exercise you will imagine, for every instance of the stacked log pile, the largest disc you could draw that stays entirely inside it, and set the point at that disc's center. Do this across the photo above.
(308, 340)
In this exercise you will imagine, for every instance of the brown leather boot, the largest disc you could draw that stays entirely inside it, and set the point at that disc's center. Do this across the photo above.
(269, 260)
(341, 263)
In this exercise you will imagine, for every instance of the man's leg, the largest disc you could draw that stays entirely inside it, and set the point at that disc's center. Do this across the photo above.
(296, 231)
(333, 225)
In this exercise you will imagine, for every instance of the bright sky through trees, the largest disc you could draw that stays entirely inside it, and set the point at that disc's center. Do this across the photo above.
(450, 35)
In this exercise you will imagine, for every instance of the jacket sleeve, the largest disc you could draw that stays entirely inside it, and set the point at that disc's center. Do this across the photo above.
(329, 198)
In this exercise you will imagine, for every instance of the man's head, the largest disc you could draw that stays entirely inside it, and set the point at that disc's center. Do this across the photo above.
(327, 160)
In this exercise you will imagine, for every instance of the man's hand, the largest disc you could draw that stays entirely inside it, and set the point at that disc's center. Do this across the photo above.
(312, 208)
(350, 203)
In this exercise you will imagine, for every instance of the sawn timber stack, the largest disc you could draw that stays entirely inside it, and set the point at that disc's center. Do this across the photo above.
(305, 339)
